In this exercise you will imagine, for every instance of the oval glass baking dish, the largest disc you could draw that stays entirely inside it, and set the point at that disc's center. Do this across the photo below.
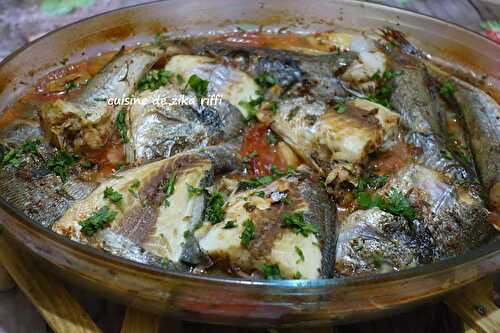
(228, 300)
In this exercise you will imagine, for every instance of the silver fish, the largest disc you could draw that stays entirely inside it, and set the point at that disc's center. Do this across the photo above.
(374, 241)
(32, 188)
(413, 101)
(156, 212)
(87, 120)
(316, 75)
(481, 119)
(454, 216)
(157, 130)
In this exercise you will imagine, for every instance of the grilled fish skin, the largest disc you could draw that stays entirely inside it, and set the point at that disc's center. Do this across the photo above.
(413, 101)
(374, 241)
(314, 74)
(86, 122)
(273, 244)
(481, 119)
(157, 130)
(32, 188)
(454, 216)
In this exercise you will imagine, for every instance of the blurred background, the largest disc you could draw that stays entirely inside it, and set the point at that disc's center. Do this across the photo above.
(22, 21)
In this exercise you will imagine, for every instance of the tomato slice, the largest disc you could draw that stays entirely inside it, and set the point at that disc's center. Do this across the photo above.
(260, 147)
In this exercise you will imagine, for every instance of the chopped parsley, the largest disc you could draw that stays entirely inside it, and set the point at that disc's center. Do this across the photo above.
(214, 212)
(247, 158)
(377, 260)
(97, 221)
(155, 79)
(198, 85)
(271, 272)
(260, 194)
(372, 182)
(60, 163)
(256, 182)
(122, 126)
(273, 107)
(277, 172)
(271, 138)
(134, 187)
(87, 164)
(229, 225)
(113, 196)
(13, 156)
(385, 89)
(395, 203)
(265, 80)
(71, 85)
(169, 188)
(299, 252)
(179, 79)
(447, 89)
(248, 232)
(341, 108)
(187, 234)
(297, 275)
(297, 223)
(251, 108)
(194, 191)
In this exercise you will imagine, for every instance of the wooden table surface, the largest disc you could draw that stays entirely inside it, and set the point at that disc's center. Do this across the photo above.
(23, 20)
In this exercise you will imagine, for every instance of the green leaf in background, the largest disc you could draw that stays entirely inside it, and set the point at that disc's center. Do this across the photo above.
(61, 7)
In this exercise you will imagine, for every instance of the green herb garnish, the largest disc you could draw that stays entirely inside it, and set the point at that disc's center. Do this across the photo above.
(251, 108)
(248, 232)
(169, 188)
(256, 182)
(265, 80)
(247, 158)
(260, 194)
(97, 221)
(271, 272)
(198, 85)
(385, 89)
(114, 196)
(214, 212)
(341, 108)
(71, 85)
(194, 191)
(122, 126)
(372, 182)
(297, 223)
(179, 79)
(277, 172)
(395, 203)
(134, 187)
(60, 163)
(273, 106)
(13, 156)
(229, 225)
(299, 252)
(271, 138)
(155, 79)
(447, 89)
(87, 164)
